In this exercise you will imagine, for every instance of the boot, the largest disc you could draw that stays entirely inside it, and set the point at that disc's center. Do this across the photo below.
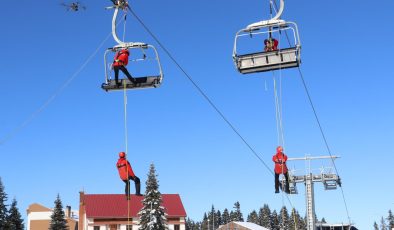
(138, 189)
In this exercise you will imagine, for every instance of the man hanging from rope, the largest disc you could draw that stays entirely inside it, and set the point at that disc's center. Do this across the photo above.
(120, 61)
(280, 168)
(126, 174)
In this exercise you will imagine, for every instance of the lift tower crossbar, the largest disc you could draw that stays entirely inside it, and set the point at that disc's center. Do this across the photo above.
(329, 180)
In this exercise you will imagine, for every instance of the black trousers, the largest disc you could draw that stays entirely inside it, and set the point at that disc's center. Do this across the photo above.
(124, 70)
(277, 181)
(137, 183)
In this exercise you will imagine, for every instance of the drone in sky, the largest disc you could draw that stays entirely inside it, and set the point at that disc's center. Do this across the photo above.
(74, 6)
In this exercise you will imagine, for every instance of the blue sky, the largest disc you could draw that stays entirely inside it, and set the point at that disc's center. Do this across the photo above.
(72, 143)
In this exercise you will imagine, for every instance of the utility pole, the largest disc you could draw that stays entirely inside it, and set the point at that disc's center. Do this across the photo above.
(329, 180)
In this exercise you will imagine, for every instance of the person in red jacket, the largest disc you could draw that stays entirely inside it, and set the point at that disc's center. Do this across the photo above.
(270, 44)
(280, 168)
(121, 60)
(126, 174)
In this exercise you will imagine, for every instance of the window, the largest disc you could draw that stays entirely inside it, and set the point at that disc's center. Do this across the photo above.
(129, 227)
(176, 227)
(96, 228)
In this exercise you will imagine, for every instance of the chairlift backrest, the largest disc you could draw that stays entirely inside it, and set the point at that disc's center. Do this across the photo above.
(261, 60)
(147, 81)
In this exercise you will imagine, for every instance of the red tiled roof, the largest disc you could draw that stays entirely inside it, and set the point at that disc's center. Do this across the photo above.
(115, 205)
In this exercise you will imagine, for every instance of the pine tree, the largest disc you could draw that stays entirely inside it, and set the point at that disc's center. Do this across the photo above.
(14, 220)
(265, 216)
(284, 218)
(390, 220)
(191, 225)
(296, 222)
(212, 218)
(225, 217)
(3, 206)
(237, 215)
(375, 226)
(383, 225)
(204, 224)
(253, 217)
(323, 220)
(232, 216)
(218, 219)
(58, 221)
(274, 221)
(152, 215)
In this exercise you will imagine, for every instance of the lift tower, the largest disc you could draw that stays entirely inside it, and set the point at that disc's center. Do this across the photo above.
(330, 181)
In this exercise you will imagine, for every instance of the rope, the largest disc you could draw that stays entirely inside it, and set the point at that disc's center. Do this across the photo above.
(279, 119)
(202, 92)
(53, 96)
(126, 130)
(126, 145)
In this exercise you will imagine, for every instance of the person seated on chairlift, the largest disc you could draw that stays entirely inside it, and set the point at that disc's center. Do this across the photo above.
(120, 61)
(270, 44)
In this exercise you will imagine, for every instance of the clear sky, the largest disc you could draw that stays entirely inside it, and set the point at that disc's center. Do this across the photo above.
(71, 143)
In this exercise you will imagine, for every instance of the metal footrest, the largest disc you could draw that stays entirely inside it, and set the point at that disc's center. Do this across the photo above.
(140, 83)
(268, 61)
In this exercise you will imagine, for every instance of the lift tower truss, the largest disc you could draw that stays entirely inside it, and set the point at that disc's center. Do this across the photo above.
(330, 181)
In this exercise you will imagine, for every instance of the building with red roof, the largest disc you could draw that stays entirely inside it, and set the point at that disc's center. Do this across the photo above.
(114, 212)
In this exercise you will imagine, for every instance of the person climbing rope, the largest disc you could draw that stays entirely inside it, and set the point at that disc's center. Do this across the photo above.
(121, 60)
(126, 174)
(280, 168)
(270, 44)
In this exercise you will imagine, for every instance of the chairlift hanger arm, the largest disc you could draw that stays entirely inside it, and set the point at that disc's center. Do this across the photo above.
(275, 20)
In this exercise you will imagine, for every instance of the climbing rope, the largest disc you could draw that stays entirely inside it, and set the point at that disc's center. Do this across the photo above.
(279, 120)
(126, 150)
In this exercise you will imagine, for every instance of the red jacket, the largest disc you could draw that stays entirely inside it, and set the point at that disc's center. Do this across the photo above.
(280, 163)
(123, 168)
(271, 44)
(121, 58)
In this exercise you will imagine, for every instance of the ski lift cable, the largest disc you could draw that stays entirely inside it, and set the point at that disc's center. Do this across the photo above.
(320, 128)
(30, 118)
(201, 91)
(324, 137)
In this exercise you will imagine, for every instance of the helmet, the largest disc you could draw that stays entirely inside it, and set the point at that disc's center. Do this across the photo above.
(122, 154)
(279, 149)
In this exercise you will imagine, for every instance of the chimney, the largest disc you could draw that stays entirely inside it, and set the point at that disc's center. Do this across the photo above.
(82, 212)
(68, 211)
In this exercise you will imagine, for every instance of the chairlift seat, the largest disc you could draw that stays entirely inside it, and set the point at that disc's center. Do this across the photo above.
(140, 83)
(268, 61)
(292, 184)
(330, 181)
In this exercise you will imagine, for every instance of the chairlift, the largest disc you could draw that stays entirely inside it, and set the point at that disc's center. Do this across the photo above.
(152, 81)
(262, 61)
(141, 82)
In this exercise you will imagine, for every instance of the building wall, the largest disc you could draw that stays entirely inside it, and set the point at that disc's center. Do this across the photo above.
(135, 225)
(39, 218)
